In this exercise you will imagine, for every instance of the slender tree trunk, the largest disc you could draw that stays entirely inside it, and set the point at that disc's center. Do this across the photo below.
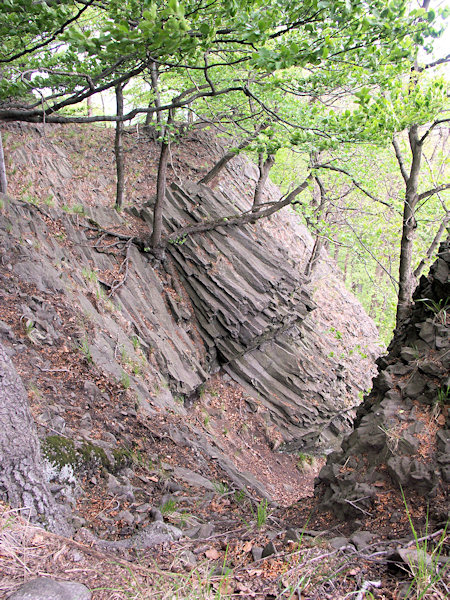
(156, 101)
(90, 106)
(118, 149)
(3, 179)
(406, 278)
(161, 182)
(336, 252)
(264, 170)
(22, 482)
(314, 258)
(217, 168)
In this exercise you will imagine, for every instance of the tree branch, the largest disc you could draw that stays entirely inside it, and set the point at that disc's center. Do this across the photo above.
(242, 219)
(434, 244)
(37, 116)
(430, 129)
(435, 63)
(436, 190)
(401, 162)
(355, 183)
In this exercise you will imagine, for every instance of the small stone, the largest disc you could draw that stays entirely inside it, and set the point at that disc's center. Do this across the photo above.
(156, 514)
(415, 386)
(187, 560)
(144, 508)
(126, 517)
(257, 552)
(44, 588)
(427, 332)
(200, 532)
(291, 536)
(362, 539)
(338, 542)
(120, 487)
(268, 550)
(408, 354)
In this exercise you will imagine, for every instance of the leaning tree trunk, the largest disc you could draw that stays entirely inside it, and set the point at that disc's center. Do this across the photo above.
(118, 150)
(22, 482)
(3, 180)
(222, 163)
(161, 183)
(264, 170)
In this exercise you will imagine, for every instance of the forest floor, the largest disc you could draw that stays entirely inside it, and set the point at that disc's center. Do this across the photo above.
(304, 557)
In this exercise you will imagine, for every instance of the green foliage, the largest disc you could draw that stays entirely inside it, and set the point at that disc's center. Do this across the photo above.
(262, 513)
(305, 461)
(437, 308)
(221, 488)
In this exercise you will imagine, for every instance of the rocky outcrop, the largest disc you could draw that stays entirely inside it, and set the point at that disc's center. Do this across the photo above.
(251, 303)
(401, 434)
(233, 299)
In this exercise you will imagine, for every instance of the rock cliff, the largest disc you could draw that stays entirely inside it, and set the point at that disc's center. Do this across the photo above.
(232, 301)
(401, 434)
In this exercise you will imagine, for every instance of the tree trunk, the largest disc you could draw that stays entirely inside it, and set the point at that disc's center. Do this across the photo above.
(3, 180)
(217, 168)
(242, 219)
(90, 106)
(22, 482)
(118, 150)
(161, 182)
(314, 258)
(264, 170)
(406, 278)
(156, 101)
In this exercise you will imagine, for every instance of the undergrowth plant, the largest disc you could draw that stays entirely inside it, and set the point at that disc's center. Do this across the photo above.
(425, 564)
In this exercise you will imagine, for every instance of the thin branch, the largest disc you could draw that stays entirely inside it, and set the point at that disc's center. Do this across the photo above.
(242, 219)
(430, 129)
(435, 63)
(355, 183)
(36, 116)
(367, 249)
(434, 244)
(401, 162)
(436, 190)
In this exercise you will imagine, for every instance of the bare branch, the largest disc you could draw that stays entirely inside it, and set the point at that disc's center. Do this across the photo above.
(436, 190)
(355, 183)
(37, 116)
(434, 244)
(435, 63)
(401, 162)
(430, 129)
(242, 219)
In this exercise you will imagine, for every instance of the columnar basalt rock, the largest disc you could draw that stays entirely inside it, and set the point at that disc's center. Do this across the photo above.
(251, 303)
(401, 433)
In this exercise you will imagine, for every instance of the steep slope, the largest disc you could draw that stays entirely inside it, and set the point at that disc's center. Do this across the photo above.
(119, 342)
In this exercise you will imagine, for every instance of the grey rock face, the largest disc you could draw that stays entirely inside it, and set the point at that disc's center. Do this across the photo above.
(388, 430)
(252, 305)
(43, 588)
